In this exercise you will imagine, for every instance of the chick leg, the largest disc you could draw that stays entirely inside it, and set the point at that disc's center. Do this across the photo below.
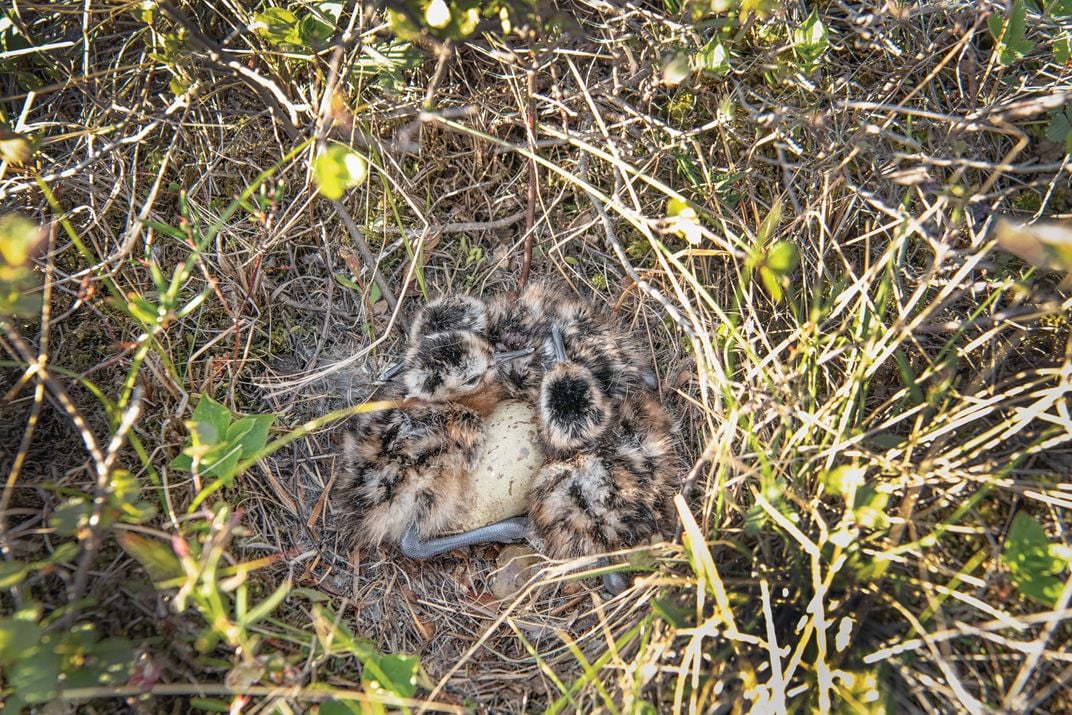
(507, 531)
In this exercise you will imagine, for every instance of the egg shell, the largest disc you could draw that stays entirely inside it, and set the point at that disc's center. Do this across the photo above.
(499, 485)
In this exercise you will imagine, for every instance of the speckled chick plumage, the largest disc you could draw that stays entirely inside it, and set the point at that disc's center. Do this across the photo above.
(409, 465)
(612, 468)
(593, 338)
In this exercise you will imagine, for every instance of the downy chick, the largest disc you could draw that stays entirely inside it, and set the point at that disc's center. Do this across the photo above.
(593, 339)
(611, 473)
(405, 471)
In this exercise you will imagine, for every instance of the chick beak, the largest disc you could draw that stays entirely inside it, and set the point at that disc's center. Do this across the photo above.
(500, 358)
(557, 344)
(393, 371)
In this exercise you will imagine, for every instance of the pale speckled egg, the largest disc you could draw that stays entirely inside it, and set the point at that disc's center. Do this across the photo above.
(501, 480)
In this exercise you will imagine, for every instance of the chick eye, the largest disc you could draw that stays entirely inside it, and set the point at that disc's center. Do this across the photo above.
(473, 380)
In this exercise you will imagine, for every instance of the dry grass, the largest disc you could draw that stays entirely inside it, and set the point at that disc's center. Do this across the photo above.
(858, 450)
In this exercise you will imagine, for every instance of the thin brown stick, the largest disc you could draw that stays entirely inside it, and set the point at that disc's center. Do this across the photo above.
(38, 398)
(366, 254)
(530, 210)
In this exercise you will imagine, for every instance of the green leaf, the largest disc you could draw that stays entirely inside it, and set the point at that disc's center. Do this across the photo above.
(158, 559)
(204, 439)
(19, 291)
(223, 465)
(772, 283)
(17, 638)
(1059, 130)
(1032, 562)
(869, 507)
(675, 615)
(1062, 48)
(14, 147)
(250, 433)
(63, 554)
(713, 58)
(144, 310)
(263, 609)
(166, 229)
(12, 573)
(278, 25)
(783, 258)
(676, 70)
(18, 238)
(402, 670)
(399, 672)
(770, 223)
(71, 516)
(346, 282)
(844, 479)
(314, 31)
(212, 705)
(210, 412)
(810, 41)
(124, 488)
(339, 168)
(87, 661)
(1059, 8)
(35, 677)
(1010, 33)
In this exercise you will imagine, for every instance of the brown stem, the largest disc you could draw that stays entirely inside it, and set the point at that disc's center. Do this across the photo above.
(530, 215)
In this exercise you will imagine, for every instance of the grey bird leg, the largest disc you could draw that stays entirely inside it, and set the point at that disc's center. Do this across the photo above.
(507, 531)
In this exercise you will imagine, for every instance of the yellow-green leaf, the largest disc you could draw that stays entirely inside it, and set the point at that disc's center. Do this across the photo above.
(772, 283)
(156, 558)
(18, 237)
(339, 168)
(15, 147)
(1033, 564)
(1047, 245)
(783, 257)
(280, 26)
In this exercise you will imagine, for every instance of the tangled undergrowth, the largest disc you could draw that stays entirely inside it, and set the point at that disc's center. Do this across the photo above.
(220, 216)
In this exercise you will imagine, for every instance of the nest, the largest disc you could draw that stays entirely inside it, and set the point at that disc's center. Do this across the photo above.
(904, 346)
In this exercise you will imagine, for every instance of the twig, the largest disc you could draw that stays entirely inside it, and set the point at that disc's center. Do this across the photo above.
(366, 254)
(530, 211)
(1014, 699)
(459, 227)
(323, 123)
(103, 462)
(136, 138)
(444, 52)
(218, 55)
(37, 366)
(101, 489)
(627, 265)
(38, 398)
